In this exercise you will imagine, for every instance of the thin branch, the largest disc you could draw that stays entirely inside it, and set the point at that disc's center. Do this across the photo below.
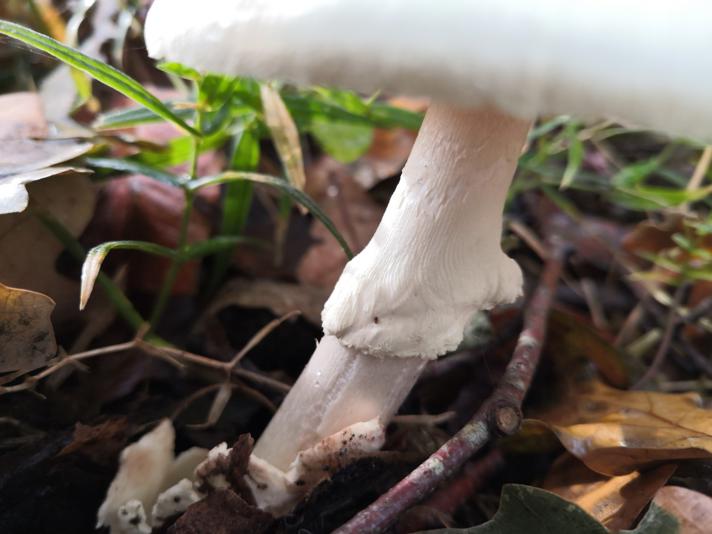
(259, 336)
(31, 380)
(501, 414)
(671, 323)
(176, 357)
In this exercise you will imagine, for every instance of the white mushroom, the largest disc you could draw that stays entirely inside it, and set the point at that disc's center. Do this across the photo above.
(490, 66)
(147, 469)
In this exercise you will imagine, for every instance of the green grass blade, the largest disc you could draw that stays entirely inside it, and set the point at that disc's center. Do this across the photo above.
(282, 185)
(96, 256)
(98, 70)
(237, 200)
(121, 304)
(134, 167)
(573, 163)
(128, 118)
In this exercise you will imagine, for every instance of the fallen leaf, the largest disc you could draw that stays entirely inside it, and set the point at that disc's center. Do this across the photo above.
(24, 160)
(26, 333)
(536, 511)
(692, 509)
(386, 156)
(573, 341)
(100, 443)
(354, 213)
(278, 297)
(21, 116)
(615, 432)
(25, 155)
(615, 502)
(14, 197)
(30, 251)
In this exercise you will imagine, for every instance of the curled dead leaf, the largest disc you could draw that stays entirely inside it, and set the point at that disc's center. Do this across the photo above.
(353, 212)
(616, 432)
(279, 297)
(615, 502)
(693, 510)
(29, 251)
(24, 157)
(26, 333)
(573, 341)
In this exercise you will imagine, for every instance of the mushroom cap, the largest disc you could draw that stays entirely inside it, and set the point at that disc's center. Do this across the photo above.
(640, 61)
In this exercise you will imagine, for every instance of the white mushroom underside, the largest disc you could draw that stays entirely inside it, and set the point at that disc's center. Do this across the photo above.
(637, 60)
(435, 259)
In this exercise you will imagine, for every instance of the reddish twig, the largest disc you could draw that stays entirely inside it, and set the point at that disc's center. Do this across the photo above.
(473, 477)
(439, 508)
(501, 414)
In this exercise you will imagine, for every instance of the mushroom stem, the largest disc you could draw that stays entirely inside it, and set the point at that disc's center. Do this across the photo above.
(338, 387)
(434, 261)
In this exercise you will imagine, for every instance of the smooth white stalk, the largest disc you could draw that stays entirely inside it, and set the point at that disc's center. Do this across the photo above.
(433, 262)
(337, 388)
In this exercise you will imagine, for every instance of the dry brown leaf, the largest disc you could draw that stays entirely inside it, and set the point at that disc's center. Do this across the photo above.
(24, 160)
(692, 509)
(388, 153)
(390, 147)
(652, 237)
(279, 297)
(573, 341)
(352, 210)
(615, 502)
(615, 432)
(30, 251)
(21, 116)
(26, 333)
(284, 134)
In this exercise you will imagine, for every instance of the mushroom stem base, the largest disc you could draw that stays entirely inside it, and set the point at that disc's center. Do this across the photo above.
(338, 388)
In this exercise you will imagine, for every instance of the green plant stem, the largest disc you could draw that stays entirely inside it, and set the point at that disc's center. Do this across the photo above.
(182, 248)
(175, 265)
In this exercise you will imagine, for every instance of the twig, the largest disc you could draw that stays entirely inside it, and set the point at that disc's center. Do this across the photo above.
(670, 324)
(598, 315)
(500, 414)
(474, 474)
(31, 380)
(530, 238)
(175, 357)
(439, 509)
(259, 336)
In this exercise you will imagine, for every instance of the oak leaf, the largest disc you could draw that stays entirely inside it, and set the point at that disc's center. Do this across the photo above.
(615, 432)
